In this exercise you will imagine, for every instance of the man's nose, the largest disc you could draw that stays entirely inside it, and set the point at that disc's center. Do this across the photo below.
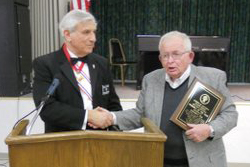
(170, 58)
(93, 37)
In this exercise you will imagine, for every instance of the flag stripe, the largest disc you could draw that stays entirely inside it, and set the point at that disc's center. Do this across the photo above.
(83, 5)
(75, 6)
(80, 4)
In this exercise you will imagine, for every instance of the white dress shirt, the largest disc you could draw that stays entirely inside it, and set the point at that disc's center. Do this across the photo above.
(177, 82)
(86, 101)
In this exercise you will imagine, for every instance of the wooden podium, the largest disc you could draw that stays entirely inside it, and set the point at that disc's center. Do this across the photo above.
(87, 148)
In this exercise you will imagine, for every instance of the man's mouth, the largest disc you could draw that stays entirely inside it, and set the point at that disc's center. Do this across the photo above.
(171, 68)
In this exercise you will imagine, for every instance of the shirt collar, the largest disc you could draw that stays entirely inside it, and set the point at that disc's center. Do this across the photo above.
(71, 54)
(175, 84)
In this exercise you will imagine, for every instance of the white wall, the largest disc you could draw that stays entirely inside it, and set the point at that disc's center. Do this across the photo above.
(237, 140)
(11, 110)
(8, 115)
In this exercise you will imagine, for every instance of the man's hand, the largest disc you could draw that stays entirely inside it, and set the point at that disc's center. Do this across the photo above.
(99, 118)
(198, 133)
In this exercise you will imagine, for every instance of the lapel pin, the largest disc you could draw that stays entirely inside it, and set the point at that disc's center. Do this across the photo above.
(93, 66)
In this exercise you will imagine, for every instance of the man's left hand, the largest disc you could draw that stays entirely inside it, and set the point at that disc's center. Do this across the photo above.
(198, 133)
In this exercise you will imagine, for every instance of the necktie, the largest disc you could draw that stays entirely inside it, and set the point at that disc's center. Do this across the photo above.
(82, 59)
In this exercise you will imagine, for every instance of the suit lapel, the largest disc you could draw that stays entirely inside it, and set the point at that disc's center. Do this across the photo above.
(193, 75)
(159, 91)
(67, 70)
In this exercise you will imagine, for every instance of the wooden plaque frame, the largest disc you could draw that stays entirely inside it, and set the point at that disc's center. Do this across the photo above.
(199, 105)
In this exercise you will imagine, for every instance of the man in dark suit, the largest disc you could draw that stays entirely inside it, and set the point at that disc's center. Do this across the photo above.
(85, 78)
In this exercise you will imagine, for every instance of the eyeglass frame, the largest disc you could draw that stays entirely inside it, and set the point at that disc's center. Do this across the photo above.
(175, 56)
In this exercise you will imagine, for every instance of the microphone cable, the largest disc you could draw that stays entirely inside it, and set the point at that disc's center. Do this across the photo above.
(26, 116)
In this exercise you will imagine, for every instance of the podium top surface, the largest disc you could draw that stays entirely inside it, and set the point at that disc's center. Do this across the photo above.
(152, 133)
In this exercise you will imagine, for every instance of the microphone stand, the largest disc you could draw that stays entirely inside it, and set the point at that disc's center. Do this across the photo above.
(38, 110)
(50, 91)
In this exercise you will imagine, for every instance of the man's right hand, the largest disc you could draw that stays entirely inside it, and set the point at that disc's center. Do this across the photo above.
(99, 118)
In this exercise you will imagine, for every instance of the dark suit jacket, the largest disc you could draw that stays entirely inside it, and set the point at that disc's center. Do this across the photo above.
(64, 111)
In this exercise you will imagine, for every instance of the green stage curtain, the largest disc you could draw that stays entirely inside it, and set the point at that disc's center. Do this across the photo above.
(124, 19)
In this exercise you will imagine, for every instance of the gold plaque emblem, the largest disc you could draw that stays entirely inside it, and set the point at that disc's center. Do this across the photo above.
(204, 99)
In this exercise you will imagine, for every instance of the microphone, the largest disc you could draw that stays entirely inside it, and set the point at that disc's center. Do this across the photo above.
(51, 89)
(49, 92)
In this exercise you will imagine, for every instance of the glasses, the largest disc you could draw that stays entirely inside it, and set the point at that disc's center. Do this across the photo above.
(174, 55)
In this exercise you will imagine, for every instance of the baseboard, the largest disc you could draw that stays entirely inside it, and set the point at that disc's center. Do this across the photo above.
(238, 164)
(238, 83)
(126, 81)
(4, 156)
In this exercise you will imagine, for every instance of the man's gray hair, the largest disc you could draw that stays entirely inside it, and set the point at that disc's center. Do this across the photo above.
(71, 19)
(168, 36)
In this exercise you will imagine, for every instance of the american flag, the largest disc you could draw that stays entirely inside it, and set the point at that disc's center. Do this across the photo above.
(80, 4)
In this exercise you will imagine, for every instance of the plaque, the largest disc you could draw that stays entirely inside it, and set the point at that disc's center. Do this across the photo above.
(200, 105)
